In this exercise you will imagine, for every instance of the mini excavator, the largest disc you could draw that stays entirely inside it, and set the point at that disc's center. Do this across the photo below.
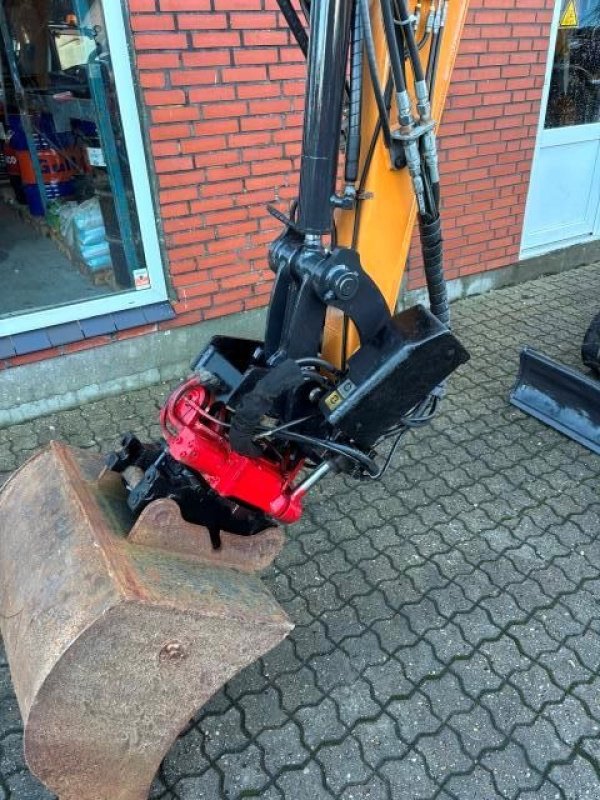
(128, 586)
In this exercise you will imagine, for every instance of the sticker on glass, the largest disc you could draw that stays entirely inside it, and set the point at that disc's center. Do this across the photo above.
(569, 17)
(141, 278)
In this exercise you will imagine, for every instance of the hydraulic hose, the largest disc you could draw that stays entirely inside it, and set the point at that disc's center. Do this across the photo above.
(432, 249)
(394, 52)
(436, 45)
(355, 104)
(294, 24)
(438, 48)
(411, 43)
(305, 5)
(372, 62)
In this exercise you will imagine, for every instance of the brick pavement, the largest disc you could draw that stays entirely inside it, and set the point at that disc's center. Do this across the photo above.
(448, 619)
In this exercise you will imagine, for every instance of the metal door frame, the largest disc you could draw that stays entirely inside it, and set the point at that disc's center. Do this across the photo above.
(123, 64)
(538, 250)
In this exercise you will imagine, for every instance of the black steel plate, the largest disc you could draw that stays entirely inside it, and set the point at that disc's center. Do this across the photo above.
(561, 397)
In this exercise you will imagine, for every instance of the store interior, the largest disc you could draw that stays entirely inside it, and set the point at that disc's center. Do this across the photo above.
(68, 226)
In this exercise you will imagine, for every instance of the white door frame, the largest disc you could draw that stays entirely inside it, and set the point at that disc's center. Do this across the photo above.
(116, 32)
(530, 252)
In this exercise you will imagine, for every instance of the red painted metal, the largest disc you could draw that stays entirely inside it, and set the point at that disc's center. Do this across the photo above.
(199, 440)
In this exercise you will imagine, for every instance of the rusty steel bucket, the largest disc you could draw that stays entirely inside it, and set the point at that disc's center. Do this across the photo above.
(115, 641)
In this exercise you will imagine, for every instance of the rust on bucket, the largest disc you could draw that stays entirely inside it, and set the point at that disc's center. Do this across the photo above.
(113, 642)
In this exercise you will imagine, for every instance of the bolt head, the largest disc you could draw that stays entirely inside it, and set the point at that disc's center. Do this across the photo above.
(347, 286)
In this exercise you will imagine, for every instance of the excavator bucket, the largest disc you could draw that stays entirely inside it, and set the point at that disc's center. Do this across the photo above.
(561, 397)
(116, 634)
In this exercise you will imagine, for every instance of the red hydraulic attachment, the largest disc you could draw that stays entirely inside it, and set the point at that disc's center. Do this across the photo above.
(199, 440)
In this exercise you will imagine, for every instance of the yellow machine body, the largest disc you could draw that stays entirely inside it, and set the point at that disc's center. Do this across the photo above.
(390, 205)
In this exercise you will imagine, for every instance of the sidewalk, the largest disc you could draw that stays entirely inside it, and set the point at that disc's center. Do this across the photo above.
(448, 619)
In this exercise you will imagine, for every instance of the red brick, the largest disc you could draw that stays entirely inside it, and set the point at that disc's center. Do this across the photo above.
(153, 22)
(202, 22)
(161, 41)
(244, 74)
(142, 5)
(190, 77)
(207, 58)
(158, 60)
(238, 5)
(262, 21)
(174, 114)
(185, 5)
(216, 39)
(152, 80)
(267, 38)
(167, 97)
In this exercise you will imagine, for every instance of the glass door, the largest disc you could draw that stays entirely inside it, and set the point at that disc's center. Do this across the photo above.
(564, 194)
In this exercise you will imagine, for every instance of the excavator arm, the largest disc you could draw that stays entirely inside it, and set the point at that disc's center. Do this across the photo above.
(381, 226)
(119, 618)
(339, 377)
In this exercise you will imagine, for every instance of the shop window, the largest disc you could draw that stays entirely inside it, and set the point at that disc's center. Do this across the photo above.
(575, 82)
(74, 241)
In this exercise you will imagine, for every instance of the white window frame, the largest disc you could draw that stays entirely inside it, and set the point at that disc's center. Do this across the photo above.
(116, 33)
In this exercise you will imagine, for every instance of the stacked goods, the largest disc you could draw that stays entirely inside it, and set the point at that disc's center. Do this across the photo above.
(60, 160)
(90, 235)
(83, 227)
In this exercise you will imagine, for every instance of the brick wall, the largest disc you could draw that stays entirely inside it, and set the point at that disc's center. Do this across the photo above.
(223, 86)
(488, 135)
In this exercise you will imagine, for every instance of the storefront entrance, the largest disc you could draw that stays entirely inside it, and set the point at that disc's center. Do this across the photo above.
(78, 235)
(563, 206)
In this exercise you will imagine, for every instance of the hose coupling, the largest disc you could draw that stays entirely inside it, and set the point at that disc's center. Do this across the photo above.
(405, 115)
(423, 102)
(430, 154)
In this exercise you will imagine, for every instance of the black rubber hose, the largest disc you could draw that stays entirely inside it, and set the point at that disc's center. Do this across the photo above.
(372, 61)
(435, 35)
(355, 105)
(401, 49)
(294, 24)
(434, 68)
(305, 9)
(411, 43)
(334, 447)
(246, 422)
(432, 249)
(423, 41)
(396, 62)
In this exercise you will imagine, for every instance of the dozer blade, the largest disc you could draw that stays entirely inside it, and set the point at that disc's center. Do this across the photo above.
(559, 396)
(114, 643)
